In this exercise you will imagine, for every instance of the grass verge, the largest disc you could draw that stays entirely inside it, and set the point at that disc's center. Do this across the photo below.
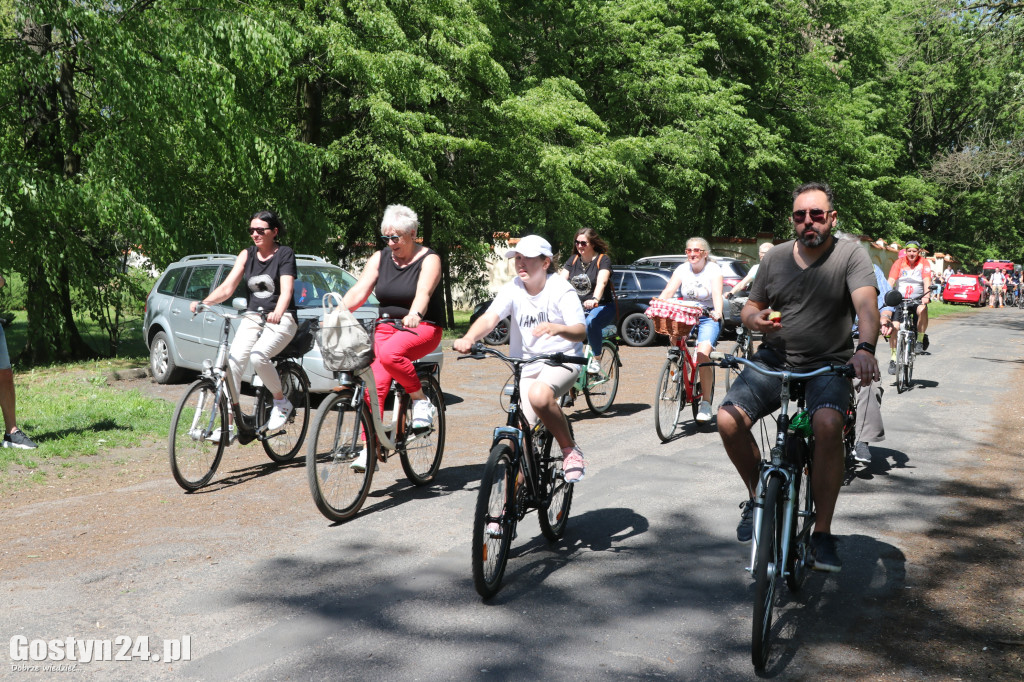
(71, 412)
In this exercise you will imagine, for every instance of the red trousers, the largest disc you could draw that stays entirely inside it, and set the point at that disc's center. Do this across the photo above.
(395, 350)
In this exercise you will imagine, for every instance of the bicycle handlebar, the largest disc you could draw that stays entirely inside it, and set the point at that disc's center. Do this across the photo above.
(479, 351)
(203, 308)
(731, 362)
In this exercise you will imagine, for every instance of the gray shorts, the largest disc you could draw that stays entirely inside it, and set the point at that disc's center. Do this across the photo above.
(758, 395)
(5, 356)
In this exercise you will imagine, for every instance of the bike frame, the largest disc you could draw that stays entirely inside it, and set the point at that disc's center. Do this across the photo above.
(687, 363)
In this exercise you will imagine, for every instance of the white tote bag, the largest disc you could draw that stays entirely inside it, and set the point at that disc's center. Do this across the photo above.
(344, 343)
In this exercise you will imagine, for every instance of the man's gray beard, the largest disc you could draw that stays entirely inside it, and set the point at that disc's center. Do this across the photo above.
(817, 240)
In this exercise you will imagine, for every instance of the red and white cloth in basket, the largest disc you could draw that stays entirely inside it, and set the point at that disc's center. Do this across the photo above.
(675, 309)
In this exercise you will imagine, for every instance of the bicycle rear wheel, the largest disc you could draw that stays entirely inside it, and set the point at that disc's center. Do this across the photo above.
(742, 349)
(600, 390)
(668, 400)
(555, 517)
(284, 443)
(494, 522)
(340, 434)
(194, 456)
(422, 452)
(766, 571)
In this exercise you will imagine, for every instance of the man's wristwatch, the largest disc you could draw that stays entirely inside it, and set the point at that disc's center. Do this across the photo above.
(864, 345)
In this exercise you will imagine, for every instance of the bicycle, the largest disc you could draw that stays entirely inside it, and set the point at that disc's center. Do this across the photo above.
(744, 348)
(199, 428)
(348, 426)
(599, 388)
(784, 504)
(678, 382)
(520, 475)
(906, 338)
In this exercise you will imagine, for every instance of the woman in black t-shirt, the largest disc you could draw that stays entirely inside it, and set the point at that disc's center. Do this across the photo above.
(268, 269)
(589, 270)
(403, 276)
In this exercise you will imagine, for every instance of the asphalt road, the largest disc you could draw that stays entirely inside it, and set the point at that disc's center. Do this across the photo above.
(648, 582)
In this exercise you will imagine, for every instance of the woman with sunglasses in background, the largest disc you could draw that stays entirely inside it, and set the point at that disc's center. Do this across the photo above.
(700, 280)
(589, 270)
(268, 269)
(403, 276)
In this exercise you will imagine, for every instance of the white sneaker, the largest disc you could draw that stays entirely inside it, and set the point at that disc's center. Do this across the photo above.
(423, 415)
(359, 464)
(704, 412)
(279, 415)
(594, 366)
(232, 435)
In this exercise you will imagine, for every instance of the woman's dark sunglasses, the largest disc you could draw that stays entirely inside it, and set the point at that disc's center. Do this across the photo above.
(391, 237)
(817, 215)
(258, 230)
(579, 243)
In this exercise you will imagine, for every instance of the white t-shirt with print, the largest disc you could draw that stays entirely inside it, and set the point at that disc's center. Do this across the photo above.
(557, 302)
(697, 286)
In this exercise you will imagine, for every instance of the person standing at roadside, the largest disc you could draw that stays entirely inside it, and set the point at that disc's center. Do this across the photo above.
(13, 436)
(589, 271)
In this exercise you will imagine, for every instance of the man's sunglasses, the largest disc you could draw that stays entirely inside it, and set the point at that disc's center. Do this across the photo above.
(392, 238)
(817, 215)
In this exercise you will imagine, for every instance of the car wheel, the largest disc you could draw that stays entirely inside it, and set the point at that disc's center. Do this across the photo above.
(498, 335)
(638, 330)
(161, 363)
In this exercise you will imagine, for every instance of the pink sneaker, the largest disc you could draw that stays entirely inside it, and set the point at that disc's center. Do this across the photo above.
(574, 467)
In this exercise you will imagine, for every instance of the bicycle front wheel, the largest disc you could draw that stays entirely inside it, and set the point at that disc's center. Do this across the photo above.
(767, 567)
(494, 523)
(600, 390)
(799, 560)
(555, 517)
(282, 444)
(194, 455)
(901, 362)
(421, 456)
(340, 457)
(668, 400)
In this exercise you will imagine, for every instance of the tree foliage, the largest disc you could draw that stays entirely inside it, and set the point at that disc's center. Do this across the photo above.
(160, 126)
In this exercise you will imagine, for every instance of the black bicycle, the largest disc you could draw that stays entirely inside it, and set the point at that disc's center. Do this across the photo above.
(784, 506)
(521, 475)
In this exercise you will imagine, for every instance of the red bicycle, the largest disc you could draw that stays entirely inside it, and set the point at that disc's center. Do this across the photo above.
(678, 383)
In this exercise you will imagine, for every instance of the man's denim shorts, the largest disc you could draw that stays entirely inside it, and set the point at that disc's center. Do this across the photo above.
(758, 395)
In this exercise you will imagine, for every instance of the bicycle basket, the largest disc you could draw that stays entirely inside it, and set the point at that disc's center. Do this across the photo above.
(673, 317)
(345, 345)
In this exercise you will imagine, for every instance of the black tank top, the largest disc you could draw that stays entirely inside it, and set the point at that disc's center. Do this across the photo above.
(396, 288)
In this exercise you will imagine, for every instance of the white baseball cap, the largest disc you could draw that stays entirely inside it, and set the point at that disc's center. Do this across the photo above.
(531, 246)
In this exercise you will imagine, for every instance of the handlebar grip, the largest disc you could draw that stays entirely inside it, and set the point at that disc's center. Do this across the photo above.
(563, 359)
(716, 355)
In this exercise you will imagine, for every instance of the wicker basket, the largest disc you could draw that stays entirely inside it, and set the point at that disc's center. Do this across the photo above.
(673, 317)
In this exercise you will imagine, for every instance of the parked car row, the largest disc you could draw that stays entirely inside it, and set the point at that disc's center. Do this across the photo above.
(179, 341)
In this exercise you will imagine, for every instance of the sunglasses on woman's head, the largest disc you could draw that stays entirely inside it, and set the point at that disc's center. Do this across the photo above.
(392, 238)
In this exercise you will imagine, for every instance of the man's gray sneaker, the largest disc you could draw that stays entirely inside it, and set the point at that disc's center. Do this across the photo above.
(18, 439)
(892, 367)
(861, 453)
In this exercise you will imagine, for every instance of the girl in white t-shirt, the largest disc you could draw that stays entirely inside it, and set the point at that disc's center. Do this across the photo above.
(546, 318)
(699, 280)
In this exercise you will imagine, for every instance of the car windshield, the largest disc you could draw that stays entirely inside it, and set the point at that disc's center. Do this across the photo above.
(316, 280)
(961, 281)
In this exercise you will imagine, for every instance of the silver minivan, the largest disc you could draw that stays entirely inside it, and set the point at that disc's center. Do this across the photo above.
(179, 340)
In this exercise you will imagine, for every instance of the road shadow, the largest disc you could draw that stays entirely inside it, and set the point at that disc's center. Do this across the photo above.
(246, 474)
(616, 410)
